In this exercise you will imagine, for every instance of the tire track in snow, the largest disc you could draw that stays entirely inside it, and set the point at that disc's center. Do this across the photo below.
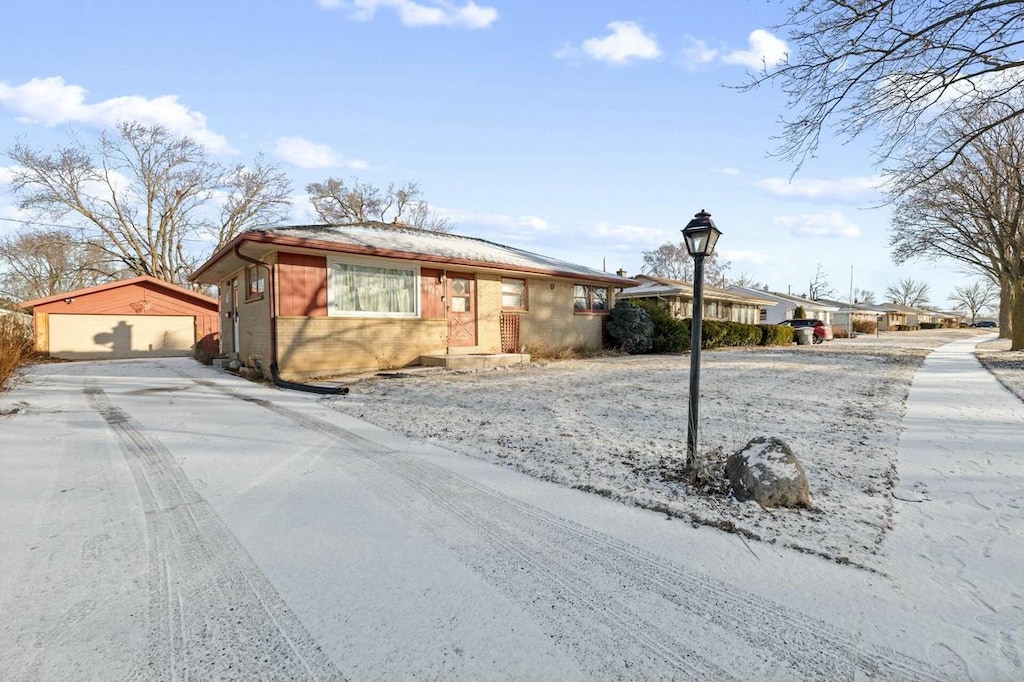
(550, 560)
(212, 613)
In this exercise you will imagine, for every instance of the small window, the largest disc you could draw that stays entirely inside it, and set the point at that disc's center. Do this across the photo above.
(513, 294)
(255, 282)
(589, 299)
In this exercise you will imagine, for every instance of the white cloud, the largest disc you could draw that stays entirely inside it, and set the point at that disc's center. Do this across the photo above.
(765, 50)
(305, 154)
(631, 234)
(51, 102)
(729, 170)
(696, 52)
(626, 42)
(416, 14)
(843, 189)
(826, 224)
(496, 225)
(739, 257)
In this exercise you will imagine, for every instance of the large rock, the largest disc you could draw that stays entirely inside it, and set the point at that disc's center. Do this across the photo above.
(768, 472)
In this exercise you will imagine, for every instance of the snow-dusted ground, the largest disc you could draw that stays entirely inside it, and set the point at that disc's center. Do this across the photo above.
(162, 520)
(617, 427)
(1006, 366)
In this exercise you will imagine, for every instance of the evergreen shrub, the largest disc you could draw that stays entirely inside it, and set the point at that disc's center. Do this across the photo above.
(670, 335)
(631, 327)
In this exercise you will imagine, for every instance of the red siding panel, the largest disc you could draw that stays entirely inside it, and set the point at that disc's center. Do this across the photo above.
(302, 283)
(431, 294)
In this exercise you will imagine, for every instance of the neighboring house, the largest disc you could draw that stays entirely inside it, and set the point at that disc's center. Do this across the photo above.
(130, 318)
(946, 318)
(889, 318)
(678, 296)
(849, 314)
(786, 305)
(913, 317)
(326, 300)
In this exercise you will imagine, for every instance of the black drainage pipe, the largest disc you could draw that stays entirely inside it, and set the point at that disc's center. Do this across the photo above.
(307, 388)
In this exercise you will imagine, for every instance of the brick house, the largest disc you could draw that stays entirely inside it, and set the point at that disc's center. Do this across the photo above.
(326, 300)
(677, 296)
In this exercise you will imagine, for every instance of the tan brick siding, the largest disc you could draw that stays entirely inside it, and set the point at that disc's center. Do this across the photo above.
(322, 346)
(551, 324)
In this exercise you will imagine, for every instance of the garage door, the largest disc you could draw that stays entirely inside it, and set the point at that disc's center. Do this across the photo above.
(91, 337)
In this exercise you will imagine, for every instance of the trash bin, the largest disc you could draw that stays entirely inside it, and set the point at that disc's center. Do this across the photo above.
(805, 336)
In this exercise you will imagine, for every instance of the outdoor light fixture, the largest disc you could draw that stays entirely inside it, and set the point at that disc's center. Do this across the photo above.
(700, 236)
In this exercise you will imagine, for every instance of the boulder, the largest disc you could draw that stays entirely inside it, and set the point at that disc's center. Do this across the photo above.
(767, 472)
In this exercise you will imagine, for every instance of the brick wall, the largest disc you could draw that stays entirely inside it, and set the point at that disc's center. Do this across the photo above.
(550, 324)
(321, 346)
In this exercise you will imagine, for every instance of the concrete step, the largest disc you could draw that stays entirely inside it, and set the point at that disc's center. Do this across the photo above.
(475, 360)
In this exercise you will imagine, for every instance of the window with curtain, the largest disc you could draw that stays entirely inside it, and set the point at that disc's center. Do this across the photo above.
(513, 294)
(361, 289)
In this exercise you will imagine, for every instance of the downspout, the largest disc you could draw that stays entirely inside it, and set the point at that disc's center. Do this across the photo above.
(272, 289)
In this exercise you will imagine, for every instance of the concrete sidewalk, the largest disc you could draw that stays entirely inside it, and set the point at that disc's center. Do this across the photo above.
(960, 498)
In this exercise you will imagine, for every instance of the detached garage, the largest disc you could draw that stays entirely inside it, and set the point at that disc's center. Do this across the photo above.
(141, 317)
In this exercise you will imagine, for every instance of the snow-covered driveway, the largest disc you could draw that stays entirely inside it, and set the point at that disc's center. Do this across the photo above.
(161, 520)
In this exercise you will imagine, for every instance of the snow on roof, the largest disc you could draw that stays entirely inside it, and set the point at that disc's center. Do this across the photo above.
(662, 286)
(414, 241)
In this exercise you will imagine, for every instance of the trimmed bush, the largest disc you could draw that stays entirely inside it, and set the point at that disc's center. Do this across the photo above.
(799, 313)
(930, 325)
(631, 327)
(776, 334)
(865, 326)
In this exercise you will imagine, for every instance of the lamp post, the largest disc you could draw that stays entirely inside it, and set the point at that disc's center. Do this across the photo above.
(700, 236)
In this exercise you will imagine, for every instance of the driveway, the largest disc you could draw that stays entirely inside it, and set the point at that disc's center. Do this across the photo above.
(162, 520)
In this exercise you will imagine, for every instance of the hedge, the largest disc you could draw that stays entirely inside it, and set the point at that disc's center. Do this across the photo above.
(672, 335)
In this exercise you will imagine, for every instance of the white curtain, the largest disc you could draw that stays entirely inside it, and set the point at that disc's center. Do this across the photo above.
(372, 289)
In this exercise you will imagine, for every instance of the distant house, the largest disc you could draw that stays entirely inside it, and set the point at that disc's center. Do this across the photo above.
(677, 295)
(888, 316)
(848, 314)
(785, 306)
(130, 318)
(323, 300)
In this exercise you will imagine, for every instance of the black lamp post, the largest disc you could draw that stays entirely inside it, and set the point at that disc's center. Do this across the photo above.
(700, 236)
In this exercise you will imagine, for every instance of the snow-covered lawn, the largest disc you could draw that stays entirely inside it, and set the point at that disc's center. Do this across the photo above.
(1006, 366)
(617, 427)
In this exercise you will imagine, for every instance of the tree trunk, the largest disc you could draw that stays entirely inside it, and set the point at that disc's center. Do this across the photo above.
(1005, 305)
(1017, 317)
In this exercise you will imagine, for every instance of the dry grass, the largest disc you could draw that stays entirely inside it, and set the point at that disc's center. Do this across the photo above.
(15, 347)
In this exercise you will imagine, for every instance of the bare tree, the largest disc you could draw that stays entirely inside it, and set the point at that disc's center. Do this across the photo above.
(908, 292)
(972, 212)
(974, 297)
(864, 296)
(142, 193)
(747, 281)
(40, 263)
(897, 68)
(338, 203)
(819, 286)
(673, 261)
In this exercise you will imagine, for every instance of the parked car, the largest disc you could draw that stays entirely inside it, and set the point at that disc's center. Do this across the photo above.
(822, 331)
(984, 323)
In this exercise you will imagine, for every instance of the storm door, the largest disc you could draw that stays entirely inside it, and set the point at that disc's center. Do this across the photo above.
(461, 307)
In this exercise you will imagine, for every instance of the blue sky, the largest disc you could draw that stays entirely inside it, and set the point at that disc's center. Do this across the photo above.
(590, 131)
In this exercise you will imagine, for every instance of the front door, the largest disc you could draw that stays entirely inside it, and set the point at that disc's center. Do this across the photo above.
(461, 308)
